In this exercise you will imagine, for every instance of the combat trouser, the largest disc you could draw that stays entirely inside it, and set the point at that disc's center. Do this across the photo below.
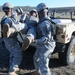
(42, 57)
(15, 52)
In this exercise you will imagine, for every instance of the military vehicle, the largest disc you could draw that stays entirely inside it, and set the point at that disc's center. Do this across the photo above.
(65, 40)
(64, 34)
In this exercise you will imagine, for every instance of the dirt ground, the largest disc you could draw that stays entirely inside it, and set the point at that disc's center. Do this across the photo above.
(27, 65)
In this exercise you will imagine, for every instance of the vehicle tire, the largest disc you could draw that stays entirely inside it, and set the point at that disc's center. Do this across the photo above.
(68, 56)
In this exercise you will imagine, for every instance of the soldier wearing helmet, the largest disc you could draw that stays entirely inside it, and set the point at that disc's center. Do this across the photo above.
(7, 6)
(23, 16)
(10, 27)
(32, 22)
(33, 12)
(19, 11)
(45, 42)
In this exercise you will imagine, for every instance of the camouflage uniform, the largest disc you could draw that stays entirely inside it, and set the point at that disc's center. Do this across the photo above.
(15, 53)
(45, 47)
(11, 43)
(32, 23)
(22, 15)
(31, 33)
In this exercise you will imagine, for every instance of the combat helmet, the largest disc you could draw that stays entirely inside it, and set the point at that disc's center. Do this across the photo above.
(19, 10)
(7, 5)
(41, 6)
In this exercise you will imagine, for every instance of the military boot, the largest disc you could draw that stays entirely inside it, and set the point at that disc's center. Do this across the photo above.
(16, 69)
(12, 73)
(7, 31)
(26, 43)
(36, 73)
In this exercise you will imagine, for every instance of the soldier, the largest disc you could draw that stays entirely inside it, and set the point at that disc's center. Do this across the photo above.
(45, 42)
(22, 15)
(10, 27)
(33, 12)
(19, 11)
(31, 34)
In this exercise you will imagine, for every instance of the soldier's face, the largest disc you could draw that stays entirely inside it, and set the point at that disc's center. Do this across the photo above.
(34, 14)
(8, 11)
(41, 14)
(11, 11)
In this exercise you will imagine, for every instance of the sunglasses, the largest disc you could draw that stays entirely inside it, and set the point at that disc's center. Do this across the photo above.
(6, 9)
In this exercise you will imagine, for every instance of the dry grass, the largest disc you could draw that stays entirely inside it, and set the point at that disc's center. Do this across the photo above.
(61, 15)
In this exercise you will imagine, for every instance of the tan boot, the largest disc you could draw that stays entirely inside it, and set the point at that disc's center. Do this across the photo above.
(26, 43)
(36, 73)
(16, 69)
(6, 30)
(11, 30)
(12, 73)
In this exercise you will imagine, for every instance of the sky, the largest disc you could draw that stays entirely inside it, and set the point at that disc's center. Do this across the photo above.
(50, 3)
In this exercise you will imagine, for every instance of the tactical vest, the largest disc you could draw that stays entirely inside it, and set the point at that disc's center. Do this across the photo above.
(52, 27)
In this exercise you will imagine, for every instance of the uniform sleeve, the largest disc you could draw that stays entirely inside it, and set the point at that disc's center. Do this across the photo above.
(20, 26)
(46, 32)
(23, 18)
(8, 21)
